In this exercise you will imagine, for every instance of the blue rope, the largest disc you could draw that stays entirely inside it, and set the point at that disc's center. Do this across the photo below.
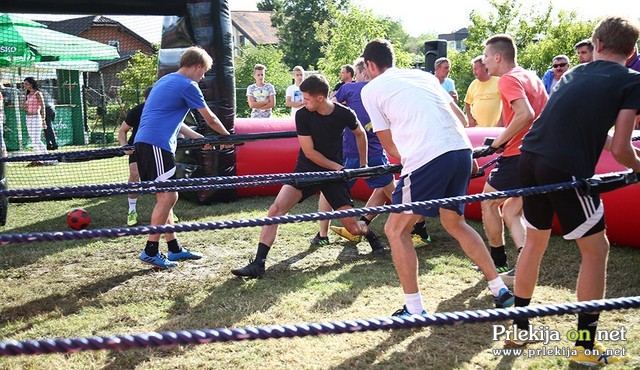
(184, 337)
(607, 182)
(202, 183)
(86, 155)
(230, 224)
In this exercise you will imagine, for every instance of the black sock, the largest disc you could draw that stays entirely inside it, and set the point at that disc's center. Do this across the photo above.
(365, 220)
(523, 323)
(174, 247)
(370, 235)
(418, 227)
(261, 254)
(499, 256)
(587, 323)
(152, 248)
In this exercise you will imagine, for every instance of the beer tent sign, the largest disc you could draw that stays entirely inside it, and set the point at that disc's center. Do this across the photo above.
(24, 42)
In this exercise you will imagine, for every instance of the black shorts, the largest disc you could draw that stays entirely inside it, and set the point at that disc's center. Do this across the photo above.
(154, 163)
(579, 215)
(336, 192)
(133, 158)
(504, 175)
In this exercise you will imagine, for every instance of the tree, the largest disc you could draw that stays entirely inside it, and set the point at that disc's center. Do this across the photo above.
(345, 41)
(277, 74)
(540, 34)
(141, 72)
(298, 23)
(353, 29)
(269, 5)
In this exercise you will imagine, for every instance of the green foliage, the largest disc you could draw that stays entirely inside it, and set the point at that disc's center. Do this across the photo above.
(415, 45)
(299, 22)
(345, 42)
(353, 29)
(141, 72)
(277, 74)
(540, 34)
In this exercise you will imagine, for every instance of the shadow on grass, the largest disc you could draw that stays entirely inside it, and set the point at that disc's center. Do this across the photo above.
(66, 304)
(445, 347)
(231, 303)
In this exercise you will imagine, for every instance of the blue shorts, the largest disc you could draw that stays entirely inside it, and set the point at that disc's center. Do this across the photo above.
(373, 182)
(445, 176)
(504, 175)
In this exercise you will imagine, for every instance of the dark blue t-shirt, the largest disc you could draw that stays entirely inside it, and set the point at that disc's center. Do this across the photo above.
(350, 95)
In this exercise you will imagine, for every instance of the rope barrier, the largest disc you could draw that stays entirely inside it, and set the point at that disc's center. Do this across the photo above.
(203, 183)
(610, 182)
(104, 153)
(184, 337)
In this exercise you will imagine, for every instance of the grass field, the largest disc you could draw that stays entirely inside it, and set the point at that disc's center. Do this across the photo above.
(99, 287)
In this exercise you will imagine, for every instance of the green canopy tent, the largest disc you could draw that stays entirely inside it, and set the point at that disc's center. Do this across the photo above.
(28, 44)
(24, 42)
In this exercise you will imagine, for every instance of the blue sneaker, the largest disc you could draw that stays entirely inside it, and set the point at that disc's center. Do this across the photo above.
(504, 299)
(159, 260)
(404, 313)
(183, 255)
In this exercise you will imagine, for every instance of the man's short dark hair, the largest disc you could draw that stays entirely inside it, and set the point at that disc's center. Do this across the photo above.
(379, 51)
(315, 85)
(585, 42)
(504, 45)
(349, 69)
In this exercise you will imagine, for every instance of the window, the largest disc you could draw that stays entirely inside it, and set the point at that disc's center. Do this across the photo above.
(115, 43)
(241, 40)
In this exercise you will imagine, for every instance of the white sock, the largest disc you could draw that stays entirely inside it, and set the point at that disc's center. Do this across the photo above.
(414, 303)
(496, 285)
(132, 204)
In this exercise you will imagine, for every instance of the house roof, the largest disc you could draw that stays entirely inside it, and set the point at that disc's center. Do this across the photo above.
(76, 26)
(459, 35)
(255, 26)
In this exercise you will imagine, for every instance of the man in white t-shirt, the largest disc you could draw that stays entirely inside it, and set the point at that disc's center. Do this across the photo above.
(419, 123)
(293, 94)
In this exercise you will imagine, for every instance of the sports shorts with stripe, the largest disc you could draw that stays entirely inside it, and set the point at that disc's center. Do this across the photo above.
(444, 176)
(155, 163)
(579, 215)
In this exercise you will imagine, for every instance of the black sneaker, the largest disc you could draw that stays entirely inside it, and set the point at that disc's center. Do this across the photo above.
(320, 241)
(374, 242)
(253, 270)
(404, 313)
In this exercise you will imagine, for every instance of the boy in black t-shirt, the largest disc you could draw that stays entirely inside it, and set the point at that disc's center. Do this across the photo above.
(564, 144)
(319, 124)
(131, 123)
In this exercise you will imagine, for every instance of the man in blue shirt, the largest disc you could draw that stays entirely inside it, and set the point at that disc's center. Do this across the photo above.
(162, 119)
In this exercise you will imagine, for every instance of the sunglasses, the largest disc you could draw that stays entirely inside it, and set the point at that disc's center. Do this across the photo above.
(560, 65)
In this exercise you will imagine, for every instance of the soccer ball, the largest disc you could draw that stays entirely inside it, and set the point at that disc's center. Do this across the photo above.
(78, 219)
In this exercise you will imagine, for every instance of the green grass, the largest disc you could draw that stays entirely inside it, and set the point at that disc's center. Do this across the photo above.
(98, 287)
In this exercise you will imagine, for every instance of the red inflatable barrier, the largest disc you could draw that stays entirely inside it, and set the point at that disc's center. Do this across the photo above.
(279, 156)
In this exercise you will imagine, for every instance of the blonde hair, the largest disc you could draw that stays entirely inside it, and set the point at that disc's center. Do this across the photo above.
(260, 67)
(298, 69)
(195, 56)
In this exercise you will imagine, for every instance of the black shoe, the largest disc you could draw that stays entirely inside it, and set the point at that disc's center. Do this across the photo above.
(374, 242)
(253, 270)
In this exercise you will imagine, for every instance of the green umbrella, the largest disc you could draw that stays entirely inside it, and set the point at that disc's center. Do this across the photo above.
(24, 42)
